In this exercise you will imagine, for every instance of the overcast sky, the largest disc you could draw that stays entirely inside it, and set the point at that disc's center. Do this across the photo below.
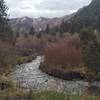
(44, 8)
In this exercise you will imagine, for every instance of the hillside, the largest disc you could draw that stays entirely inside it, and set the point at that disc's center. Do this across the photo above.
(25, 23)
(87, 16)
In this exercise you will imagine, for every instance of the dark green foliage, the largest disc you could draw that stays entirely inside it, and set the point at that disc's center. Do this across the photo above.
(32, 31)
(5, 29)
(3, 17)
(92, 56)
(91, 49)
(47, 30)
(87, 16)
(87, 35)
(62, 27)
(65, 27)
(54, 30)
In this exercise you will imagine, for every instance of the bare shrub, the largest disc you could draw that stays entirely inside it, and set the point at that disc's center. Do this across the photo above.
(30, 45)
(7, 56)
(65, 52)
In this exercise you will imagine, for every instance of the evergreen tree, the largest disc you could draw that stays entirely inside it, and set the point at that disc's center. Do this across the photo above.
(47, 30)
(92, 56)
(3, 17)
(32, 31)
(87, 35)
(91, 49)
(98, 23)
(5, 30)
(62, 27)
(67, 26)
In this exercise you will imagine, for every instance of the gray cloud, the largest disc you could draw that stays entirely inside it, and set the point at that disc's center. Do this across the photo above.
(61, 5)
(44, 8)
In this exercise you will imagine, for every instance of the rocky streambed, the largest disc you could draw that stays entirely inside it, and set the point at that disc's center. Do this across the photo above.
(29, 76)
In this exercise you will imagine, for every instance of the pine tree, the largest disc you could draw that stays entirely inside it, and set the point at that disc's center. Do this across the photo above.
(32, 31)
(91, 49)
(3, 17)
(63, 27)
(47, 30)
(5, 30)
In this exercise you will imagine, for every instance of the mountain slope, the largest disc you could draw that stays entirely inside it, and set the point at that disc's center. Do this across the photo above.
(25, 23)
(87, 16)
(21, 24)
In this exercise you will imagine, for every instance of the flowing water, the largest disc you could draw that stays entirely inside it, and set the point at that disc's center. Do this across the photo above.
(29, 76)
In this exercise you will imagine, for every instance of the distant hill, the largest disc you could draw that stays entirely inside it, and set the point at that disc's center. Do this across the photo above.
(25, 23)
(21, 24)
(87, 16)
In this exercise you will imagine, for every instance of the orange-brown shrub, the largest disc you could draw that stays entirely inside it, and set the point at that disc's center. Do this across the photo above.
(30, 45)
(65, 52)
(7, 56)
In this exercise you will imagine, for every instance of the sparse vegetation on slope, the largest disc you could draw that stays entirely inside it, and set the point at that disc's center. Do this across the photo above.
(88, 16)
